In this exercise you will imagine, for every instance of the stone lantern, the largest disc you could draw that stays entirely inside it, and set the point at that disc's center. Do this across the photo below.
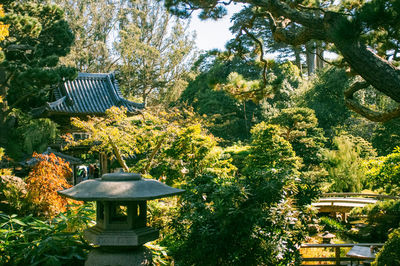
(327, 237)
(121, 208)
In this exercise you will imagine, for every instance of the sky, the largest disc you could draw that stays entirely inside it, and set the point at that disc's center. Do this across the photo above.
(213, 34)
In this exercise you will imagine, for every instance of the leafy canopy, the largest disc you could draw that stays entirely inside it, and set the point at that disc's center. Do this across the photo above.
(38, 37)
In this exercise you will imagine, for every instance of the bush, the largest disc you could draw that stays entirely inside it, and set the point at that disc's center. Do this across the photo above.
(13, 194)
(345, 165)
(31, 241)
(245, 219)
(382, 217)
(389, 254)
(385, 172)
(331, 225)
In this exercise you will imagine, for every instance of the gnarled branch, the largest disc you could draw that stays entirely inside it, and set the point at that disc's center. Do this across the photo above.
(372, 115)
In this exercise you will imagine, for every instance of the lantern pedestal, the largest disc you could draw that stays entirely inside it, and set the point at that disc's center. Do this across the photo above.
(106, 256)
(120, 230)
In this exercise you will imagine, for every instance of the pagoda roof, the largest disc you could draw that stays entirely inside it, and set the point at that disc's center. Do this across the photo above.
(88, 94)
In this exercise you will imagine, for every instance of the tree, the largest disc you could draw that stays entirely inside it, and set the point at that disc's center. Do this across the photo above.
(49, 175)
(353, 28)
(93, 23)
(143, 137)
(345, 163)
(38, 37)
(300, 129)
(112, 134)
(154, 50)
(148, 48)
(247, 220)
(386, 137)
(325, 97)
(230, 118)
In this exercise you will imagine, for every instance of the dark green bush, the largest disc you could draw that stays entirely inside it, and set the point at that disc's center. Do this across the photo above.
(242, 220)
(332, 225)
(382, 217)
(390, 253)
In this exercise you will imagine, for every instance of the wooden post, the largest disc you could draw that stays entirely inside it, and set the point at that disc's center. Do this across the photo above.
(337, 255)
(103, 163)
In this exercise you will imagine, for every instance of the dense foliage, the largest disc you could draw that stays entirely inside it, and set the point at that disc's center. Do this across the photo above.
(382, 218)
(256, 141)
(308, 22)
(384, 172)
(49, 175)
(31, 241)
(38, 37)
(325, 97)
(150, 50)
(225, 217)
(230, 118)
(345, 163)
(389, 254)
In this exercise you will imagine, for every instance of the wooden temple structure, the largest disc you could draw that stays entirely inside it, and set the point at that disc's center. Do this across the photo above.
(88, 95)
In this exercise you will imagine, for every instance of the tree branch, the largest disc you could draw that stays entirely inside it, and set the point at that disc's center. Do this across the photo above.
(154, 152)
(262, 59)
(118, 155)
(372, 115)
(298, 36)
(279, 8)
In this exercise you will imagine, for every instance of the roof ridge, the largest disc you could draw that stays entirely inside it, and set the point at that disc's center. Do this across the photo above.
(93, 75)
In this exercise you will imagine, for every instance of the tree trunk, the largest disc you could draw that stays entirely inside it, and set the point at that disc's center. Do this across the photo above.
(375, 70)
(310, 56)
(297, 53)
(319, 55)
(3, 109)
(118, 155)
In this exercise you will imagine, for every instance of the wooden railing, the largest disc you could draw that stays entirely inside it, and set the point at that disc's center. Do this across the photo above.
(337, 259)
(364, 195)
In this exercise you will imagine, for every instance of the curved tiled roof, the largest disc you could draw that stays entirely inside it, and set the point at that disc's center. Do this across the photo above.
(89, 94)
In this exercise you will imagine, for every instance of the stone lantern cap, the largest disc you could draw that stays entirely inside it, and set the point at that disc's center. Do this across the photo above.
(120, 187)
(328, 235)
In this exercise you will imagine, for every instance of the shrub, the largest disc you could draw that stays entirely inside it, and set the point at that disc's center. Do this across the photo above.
(13, 194)
(345, 166)
(389, 254)
(382, 217)
(331, 225)
(48, 176)
(241, 220)
(31, 241)
(385, 172)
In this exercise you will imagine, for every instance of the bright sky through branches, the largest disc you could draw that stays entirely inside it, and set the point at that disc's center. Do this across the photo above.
(213, 34)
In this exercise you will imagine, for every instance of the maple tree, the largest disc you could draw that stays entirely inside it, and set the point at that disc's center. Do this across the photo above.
(48, 176)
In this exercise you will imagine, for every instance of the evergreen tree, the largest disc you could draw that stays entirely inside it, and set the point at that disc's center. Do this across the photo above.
(325, 97)
(353, 27)
(230, 118)
(300, 128)
(39, 35)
